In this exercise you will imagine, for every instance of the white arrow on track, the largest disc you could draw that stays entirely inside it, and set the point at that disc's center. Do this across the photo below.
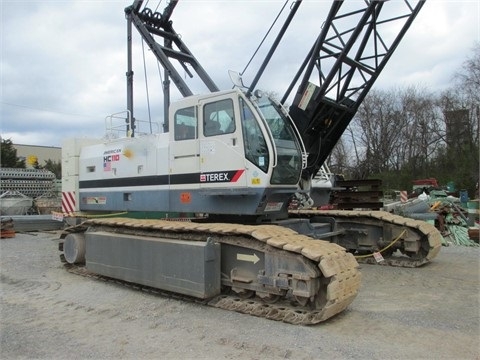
(251, 258)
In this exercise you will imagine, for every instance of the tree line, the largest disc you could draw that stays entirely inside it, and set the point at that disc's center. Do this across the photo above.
(402, 134)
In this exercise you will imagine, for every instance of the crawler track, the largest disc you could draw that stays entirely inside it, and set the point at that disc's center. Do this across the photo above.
(338, 268)
(429, 238)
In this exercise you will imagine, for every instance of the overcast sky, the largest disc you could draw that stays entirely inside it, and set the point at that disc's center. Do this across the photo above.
(63, 63)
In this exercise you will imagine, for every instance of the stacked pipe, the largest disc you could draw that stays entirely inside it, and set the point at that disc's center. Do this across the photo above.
(29, 182)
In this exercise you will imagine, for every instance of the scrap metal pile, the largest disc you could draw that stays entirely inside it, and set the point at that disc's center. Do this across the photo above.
(457, 221)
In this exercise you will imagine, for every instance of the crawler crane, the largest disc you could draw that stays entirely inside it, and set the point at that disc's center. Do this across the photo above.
(237, 157)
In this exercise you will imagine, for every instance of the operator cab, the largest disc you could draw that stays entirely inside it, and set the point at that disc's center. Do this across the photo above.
(240, 146)
(257, 129)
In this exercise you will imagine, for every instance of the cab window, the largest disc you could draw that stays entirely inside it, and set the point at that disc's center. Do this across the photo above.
(218, 118)
(185, 124)
(254, 142)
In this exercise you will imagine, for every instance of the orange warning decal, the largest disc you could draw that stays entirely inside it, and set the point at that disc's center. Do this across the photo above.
(185, 198)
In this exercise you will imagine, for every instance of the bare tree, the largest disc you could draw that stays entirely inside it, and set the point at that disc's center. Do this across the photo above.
(340, 160)
(393, 127)
(405, 132)
(422, 137)
(376, 130)
(469, 76)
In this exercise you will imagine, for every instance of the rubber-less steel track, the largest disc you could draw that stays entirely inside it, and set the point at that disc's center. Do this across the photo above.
(339, 268)
(428, 236)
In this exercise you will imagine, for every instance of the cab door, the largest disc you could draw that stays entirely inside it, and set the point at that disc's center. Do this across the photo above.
(222, 160)
(184, 149)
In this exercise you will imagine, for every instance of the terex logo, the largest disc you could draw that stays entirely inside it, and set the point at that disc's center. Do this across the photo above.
(214, 177)
(228, 176)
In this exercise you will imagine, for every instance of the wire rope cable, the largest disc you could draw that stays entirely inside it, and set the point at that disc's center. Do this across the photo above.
(146, 87)
(265, 37)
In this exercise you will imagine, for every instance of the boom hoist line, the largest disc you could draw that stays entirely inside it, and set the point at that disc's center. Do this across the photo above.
(150, 24)
(358, 54)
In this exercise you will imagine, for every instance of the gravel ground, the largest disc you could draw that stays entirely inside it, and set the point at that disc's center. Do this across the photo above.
(47, 313)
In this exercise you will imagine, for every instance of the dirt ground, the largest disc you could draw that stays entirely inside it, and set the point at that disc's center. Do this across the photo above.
(48, 313)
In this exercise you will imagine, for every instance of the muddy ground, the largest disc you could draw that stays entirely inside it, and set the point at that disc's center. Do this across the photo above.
(48, 313)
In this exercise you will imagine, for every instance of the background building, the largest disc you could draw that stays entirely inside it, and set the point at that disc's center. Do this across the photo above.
(40, 153)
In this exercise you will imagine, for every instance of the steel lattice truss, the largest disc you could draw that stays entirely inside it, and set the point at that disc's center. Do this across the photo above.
(348, 55)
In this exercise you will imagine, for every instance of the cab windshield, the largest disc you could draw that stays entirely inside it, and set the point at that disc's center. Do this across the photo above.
(289, 158)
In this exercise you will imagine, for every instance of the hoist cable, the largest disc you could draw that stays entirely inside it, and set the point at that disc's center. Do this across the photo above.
(146, 86)
(160, 72)
(158, 6)
(265, 37)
